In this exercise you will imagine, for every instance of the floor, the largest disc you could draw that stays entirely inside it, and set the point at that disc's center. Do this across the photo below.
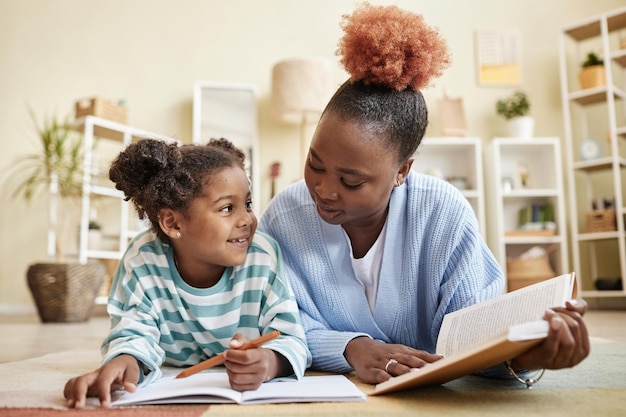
(25, 337)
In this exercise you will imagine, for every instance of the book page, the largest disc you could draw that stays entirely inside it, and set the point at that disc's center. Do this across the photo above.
(467, 327)
(212, 387)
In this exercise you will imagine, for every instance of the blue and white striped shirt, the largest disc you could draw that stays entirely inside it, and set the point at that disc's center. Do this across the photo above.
(159, 319)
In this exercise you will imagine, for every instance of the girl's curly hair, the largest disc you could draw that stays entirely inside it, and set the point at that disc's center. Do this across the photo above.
(388, 46)
(154, 174)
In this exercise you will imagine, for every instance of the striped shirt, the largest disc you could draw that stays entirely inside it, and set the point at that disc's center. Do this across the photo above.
(159, 319)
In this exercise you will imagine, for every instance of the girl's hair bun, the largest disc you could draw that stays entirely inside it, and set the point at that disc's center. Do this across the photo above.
(388, 46)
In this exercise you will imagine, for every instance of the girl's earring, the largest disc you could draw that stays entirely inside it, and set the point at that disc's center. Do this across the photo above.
(177, 234)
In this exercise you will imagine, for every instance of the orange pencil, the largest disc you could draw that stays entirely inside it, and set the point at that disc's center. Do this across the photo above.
(219, 359)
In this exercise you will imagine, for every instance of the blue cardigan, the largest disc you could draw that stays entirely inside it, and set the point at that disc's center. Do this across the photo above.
(435, 261)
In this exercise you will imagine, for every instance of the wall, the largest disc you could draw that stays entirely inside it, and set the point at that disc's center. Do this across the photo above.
(150, 52)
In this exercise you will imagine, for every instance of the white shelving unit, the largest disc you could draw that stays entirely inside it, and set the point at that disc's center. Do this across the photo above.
(540, 160)
(459, 159)
(598, 113)
(102, 141)
(225, 110)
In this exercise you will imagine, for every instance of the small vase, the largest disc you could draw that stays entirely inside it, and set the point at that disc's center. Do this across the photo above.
(521, 127)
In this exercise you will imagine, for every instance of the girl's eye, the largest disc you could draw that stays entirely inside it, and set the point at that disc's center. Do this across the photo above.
(226, 209)
(249, 205)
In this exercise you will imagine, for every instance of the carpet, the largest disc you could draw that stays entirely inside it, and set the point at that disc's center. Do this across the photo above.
(597, 386)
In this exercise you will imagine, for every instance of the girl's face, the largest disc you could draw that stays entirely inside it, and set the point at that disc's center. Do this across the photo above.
(220, 224)
(349, 173)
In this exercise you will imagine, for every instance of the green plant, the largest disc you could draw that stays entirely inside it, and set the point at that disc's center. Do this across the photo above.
(591, 60)
(515, 105)
(94, 225)
(59, 160)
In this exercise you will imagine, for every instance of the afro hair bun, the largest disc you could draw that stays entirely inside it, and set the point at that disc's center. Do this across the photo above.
(388, 46)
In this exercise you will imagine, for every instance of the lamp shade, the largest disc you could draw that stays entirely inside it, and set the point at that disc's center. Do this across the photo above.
(301, 88)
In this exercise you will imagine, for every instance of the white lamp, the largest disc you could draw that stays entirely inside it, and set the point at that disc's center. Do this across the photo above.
(301, 88)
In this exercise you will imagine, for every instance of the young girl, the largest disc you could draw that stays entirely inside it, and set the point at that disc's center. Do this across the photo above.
(199, 282)
(375, 251)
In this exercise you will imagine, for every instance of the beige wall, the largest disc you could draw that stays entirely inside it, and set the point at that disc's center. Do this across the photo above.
(150, 52)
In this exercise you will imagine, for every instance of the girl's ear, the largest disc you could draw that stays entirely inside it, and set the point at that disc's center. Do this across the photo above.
(169, 224)
(404, 171)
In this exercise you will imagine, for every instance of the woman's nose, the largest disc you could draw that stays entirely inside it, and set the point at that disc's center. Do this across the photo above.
(325, 192)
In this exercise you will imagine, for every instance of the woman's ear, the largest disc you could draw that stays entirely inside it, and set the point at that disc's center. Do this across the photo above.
(169, 224)
(404, 171)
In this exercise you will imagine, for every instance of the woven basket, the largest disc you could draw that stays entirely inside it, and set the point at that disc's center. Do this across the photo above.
(523, 272)
(601, 221)
(65, 292)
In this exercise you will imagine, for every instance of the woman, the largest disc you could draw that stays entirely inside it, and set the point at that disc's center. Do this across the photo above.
(375, 251)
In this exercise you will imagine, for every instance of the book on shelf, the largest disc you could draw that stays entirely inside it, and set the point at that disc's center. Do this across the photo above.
(488, 333)
(212, 387)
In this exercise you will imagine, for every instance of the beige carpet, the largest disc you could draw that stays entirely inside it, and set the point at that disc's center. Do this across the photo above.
(595, 387)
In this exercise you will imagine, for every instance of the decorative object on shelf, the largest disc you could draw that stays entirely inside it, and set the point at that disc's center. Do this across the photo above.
(459, 182)
(609, 284)
(62, 291)
(592, 73)
(590, 148)
(524, 174)
(515, 109)
(530, 267)
(274, 173)
(452, 116)
(507, 185)
(535, 220)
(301, 88)
(113, 110)
(94, 235)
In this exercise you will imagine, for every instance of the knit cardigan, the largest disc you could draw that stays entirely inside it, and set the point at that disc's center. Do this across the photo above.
(435, 261)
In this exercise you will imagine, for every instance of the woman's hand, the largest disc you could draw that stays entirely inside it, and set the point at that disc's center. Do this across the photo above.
(248, 369)
(369, 358)
(120, 372)
(567, 343)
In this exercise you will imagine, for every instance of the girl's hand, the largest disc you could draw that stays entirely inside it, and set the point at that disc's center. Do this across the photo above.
(248, 369)
(567, 343)
(119, 372)
(369, 358)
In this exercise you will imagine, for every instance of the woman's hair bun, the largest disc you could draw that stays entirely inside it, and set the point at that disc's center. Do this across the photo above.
(388, 46)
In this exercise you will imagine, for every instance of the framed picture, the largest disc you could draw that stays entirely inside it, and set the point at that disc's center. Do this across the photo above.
(498, 57)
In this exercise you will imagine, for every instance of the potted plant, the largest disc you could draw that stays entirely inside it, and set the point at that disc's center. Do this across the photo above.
(94, 235)
(592, 72)
(63, 291)
(516, 109)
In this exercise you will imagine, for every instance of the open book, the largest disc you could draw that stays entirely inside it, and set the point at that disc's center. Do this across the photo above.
(211, 387)
(486, 334)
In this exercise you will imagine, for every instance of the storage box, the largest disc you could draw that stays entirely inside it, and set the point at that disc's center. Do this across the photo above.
(103, 108)
(523, 272)
(601, 221)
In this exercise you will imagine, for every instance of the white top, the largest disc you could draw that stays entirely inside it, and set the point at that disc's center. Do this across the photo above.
(367, 268)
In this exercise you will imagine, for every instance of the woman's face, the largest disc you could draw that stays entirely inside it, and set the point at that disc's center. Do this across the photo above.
(349, 173)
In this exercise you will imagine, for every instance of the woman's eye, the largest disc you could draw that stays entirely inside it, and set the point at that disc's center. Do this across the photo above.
(350, 186)
(314, 168)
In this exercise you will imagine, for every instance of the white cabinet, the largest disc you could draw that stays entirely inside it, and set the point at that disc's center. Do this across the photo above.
(223, 110)
(526, 198)
(596, 115)
(459, 160)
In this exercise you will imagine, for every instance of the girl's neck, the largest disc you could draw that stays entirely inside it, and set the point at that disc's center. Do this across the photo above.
(200, 276)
